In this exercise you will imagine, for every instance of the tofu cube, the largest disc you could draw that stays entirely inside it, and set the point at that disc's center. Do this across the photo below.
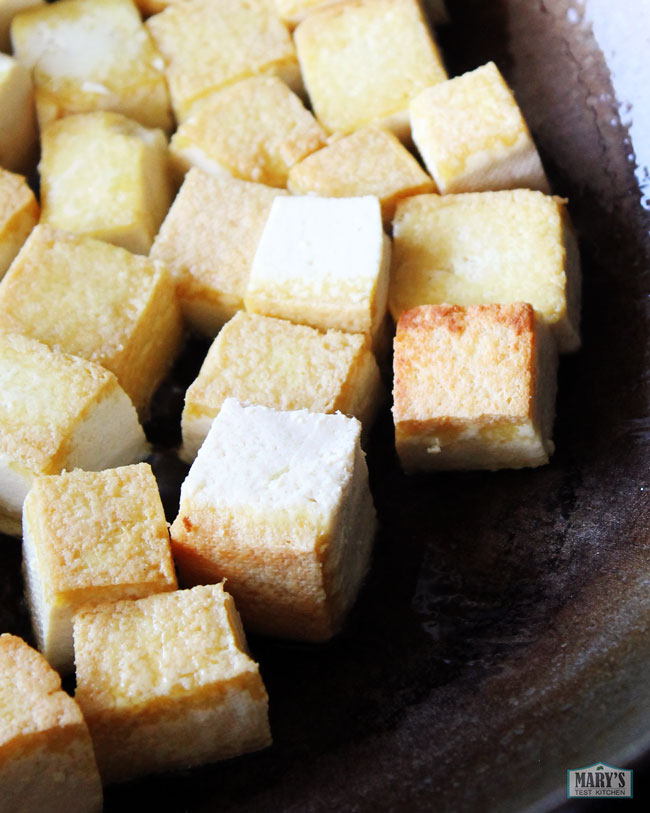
(370, 161)
(97, 301)
(57, 412)
(88, 538)
(92, 55)
(322, 262)
(46, 754)
(250, 39)
(278, 504)
(105, 176)
(474, 388)
(255, 130)
(364, 60)
(18, 134)
(261, 360)
(19, 213)
(166, 682)
(208, 241)
(488, 247)
(294, 11)
(472, 136)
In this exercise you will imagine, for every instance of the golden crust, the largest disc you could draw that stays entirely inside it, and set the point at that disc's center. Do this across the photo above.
(100, 530)
(50, 392)
(46, 755)
(97, 301)
(364, 60)
(472, 136)
(256, 130)
(208, 241)
(19, 213)
(490, 247)
(473, 387)
(370, 161)
(252, 41)
(105, 176)
(92, 55)
(262, 360)
(31, 698)
(166, 682)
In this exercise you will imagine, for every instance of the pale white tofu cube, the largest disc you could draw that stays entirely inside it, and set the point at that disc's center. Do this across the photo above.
(278, 503)
(322, 262)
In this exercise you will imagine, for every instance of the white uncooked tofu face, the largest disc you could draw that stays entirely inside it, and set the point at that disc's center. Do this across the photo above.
(322, 262)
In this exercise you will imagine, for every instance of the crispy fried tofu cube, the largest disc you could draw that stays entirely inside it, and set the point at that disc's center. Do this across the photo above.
(364, 60)
(97, 301)
(19, 213)
(166, 682)
(92, 55)
(88, 538)
(322, 262)
(370, 161)
(472, 136)
(250, 40)
(105, 176)
(208, 241)
(46, 754)
(483, 247)
(474, 387)
(261, 360)
(18, 133)
(255, 130)
(57, 412)
(278, 504)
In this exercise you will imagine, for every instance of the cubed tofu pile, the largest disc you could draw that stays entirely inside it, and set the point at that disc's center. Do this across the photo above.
(297, 181)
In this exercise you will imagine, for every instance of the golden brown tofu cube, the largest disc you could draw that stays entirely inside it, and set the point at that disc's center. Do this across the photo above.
(88, 538)
(256, 130)
(473, 137)
(364, 60)
(474, 388)
(57, 412)
(208, 241)
(484, 247)
(18, 135)
(92, 55)
(46, 755)
(370, 161)
(208, 45)
(261, 360)
(105, 176)
(97, 301)
(19, 214)
(278, 503)
(322, 262)
(166, 682)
